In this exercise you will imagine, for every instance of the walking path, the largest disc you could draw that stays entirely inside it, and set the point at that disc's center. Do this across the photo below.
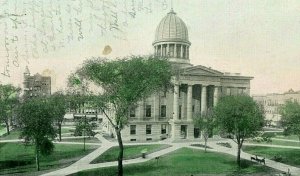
(84, 163)
(270, 145)
(288, 140)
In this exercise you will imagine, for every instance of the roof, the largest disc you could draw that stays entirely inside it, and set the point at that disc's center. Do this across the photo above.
(171, 28)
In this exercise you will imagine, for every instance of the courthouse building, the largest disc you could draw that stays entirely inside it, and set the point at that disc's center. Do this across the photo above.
(169, 114)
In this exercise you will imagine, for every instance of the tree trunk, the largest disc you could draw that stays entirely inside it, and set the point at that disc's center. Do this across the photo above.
(7, 127)
(238, 159)
(120, 157)
(205, 141)
(37, 158)
(59, 131)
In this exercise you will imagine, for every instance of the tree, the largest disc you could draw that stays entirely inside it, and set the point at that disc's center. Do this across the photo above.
(59, 104)
(240, 116)
(84, 127)
(124, 82)
(8, 101)
(206, 123)
(290, 118)
(37, 126)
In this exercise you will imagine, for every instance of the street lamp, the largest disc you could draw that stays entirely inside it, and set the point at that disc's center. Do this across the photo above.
(84, 139)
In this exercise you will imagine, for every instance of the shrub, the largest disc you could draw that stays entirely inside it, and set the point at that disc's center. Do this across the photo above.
(277, 158)
(225, 144)
(258, 139)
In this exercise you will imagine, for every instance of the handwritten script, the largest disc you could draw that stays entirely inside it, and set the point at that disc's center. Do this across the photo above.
(32, 28)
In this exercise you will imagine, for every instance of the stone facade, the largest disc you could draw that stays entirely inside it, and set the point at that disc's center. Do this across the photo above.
(36, 85)
(271, 104)
(169, 114)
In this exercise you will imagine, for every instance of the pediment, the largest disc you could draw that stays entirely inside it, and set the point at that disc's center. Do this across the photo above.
(200, 70)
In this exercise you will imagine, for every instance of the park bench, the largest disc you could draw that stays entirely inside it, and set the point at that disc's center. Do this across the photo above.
(260, 160)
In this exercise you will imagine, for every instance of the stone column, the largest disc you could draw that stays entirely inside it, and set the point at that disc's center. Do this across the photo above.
(247, 90)
(187, 52)
(216, 95)
(175, 102)
(175, 50)
(168, 50)
(141, 109)
(156, 50)
(181, 51)
(189, 103)
(156, 106)
(183, 104)
(203, 99)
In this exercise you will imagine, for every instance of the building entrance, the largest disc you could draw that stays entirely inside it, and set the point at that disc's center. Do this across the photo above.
(183, 131)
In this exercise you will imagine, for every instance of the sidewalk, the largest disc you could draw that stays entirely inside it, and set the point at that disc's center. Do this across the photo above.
(83, 164)
(270, 145)
(288, 140)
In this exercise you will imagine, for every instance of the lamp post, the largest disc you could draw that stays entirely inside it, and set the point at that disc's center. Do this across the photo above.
(84, 131)
(84, 139)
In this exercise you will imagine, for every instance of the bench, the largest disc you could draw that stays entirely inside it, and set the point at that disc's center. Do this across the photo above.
(258, 159)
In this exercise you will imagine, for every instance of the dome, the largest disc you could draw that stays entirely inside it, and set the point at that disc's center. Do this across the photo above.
(171, 28)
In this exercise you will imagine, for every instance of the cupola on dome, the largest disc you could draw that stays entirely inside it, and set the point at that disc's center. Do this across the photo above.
(171, 40)
(171, 28)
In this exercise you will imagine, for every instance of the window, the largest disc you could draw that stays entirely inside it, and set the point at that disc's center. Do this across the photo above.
(148, 110)
(132, 112)
(179, 111)
(163, 129)
(193, 108)
(164, 93)
(148, 129)
(163, 110)
(132, 129)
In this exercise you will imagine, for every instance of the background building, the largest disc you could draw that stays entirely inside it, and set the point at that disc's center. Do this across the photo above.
(271, 104)
(169, 114)
(36, 85)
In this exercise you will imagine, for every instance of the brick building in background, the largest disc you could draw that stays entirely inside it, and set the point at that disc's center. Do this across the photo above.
(36, 85)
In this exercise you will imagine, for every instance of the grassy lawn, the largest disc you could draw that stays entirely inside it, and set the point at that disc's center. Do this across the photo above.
(17, 158)
(14, 134)
(286, 143)
(130, 152)
(276, 133)
(184, 162)
(2, 130)
(291, 137)
(2, 127)
(67, 130)
(289, 156)
(276, 142)
(87, 140)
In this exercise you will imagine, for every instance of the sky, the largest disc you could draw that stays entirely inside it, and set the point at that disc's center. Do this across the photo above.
(259, 38)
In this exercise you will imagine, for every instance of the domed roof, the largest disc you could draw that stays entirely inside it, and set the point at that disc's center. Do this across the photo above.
(171, 28)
